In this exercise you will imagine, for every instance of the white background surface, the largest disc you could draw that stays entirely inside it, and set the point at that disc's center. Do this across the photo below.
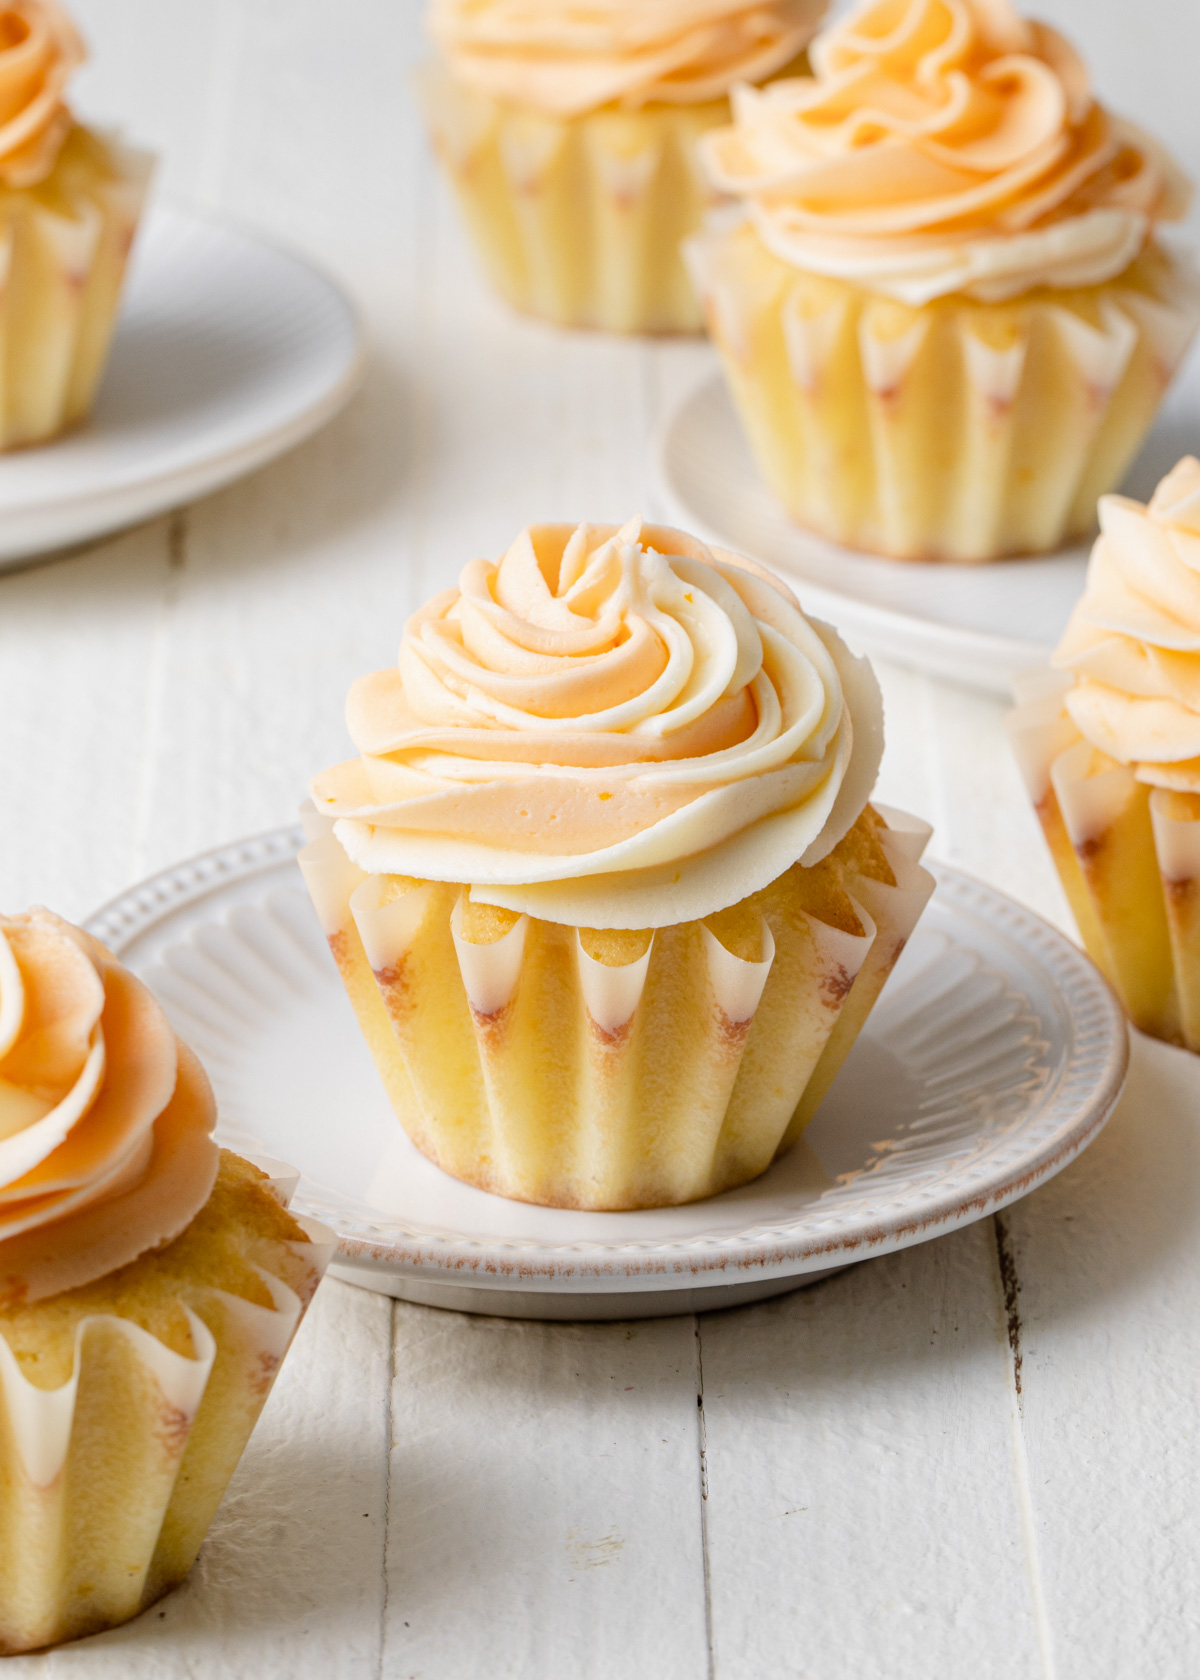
(898, 1474)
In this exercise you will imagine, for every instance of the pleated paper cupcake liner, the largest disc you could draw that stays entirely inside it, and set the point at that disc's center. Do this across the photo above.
(1128, 857)
(110, 1482)
(578, 219)
(64, 245)
(958, 431)
(529, 1067)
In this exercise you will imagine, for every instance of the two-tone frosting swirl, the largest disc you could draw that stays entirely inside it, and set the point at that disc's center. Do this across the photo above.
(610, 728)
(944, 146)
(39, 51)
(105, 1118)
(570, 56)
(1133, 643)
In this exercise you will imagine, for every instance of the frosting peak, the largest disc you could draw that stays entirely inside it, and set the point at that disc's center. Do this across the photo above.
(943, 145)
(1133, 643)
(39, 51)
(571, 56)
(105, 1118)
(612, 728)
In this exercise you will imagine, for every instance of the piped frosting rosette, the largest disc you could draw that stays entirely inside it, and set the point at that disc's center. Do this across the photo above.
(1109, 743)
(68, 214)
(946, 159)
(569, 132)
(106, 1155)
(603, 880)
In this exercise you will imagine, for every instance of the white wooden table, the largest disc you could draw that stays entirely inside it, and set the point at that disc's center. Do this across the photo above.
(976, 1458)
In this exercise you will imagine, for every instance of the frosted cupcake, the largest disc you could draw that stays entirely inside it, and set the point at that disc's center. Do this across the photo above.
(69, 206)
(1109, 743)
(569, 132)
(149, 1287)
(946, 320)
(603, 882)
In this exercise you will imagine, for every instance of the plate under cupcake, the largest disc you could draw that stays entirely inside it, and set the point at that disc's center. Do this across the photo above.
(229, 351)
(994, 1056)
(977, 625)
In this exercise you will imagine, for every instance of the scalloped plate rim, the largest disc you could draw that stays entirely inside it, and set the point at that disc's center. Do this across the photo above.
(761, 1252)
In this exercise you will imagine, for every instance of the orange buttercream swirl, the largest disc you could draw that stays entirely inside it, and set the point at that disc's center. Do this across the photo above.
(39, 51)
(607, 725)
(570, 56)
(105, 1119)
(1133, 643)
(937, 140)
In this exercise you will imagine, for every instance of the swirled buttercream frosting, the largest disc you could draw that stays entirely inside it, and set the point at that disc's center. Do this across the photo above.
(944, 146)
(570, 56)
(105, 1118)
(1133, 643)
(39, 51)
(608, 728)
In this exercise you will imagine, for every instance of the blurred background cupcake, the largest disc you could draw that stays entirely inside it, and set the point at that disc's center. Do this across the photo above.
(150, 1285)
(1109, 744)
(569, 132)
(946, 319)
(603, 883)
(69, 206)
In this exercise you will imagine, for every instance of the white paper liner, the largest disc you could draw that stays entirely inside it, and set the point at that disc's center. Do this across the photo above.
(42, 1600)
(612, 992)
(472, 1085)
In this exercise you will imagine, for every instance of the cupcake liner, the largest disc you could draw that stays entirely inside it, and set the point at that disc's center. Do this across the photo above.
(578, 219)
(530, 1068)
(110, 1481)
(1128, 856)
(64, 245)
(957, 431)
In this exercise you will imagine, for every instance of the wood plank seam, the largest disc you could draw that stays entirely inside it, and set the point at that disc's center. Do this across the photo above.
(176, 535)
(1009, 1283)
(702, 1443)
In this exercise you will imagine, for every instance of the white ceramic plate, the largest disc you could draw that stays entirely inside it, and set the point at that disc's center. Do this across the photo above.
(974, 624)
(229, 351)
(994, 1056)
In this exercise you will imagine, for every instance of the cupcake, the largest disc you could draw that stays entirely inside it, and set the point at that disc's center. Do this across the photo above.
(603, 883)
(69, 206)
(1109, 743)
(150, 1284)
(569, 132)
(945, 316)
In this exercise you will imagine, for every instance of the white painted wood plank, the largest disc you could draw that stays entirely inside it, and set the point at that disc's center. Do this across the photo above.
(545, 1501)
(863, 1514)
(80, 648)
(1108, 1261)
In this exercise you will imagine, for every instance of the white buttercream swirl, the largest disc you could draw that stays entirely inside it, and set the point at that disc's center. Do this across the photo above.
(570, 56)
(1133, 642)
(610, 728)
(105, 1119)
(944, 146)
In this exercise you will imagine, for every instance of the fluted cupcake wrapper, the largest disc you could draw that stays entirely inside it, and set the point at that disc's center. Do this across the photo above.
(1128, 856)
(578, 219)
(956, 431)
(110, 1482)
(531, 1068)
(64, 246)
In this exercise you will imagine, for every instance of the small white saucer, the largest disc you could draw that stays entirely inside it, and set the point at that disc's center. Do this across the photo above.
(976, 625)
(993, 1058)
(229, 351)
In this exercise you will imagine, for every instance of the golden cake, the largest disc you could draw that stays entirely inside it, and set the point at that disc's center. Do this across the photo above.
(70, 200)
(945, 317)
(150, 1285)
(1109, 744)
(603, 882)
(569, 132)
